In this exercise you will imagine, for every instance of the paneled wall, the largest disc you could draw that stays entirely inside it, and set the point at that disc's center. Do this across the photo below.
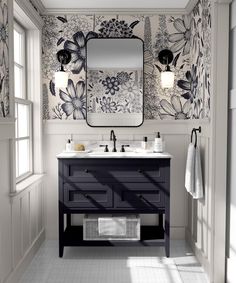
(21, 219)
(232, 152)
(199, 225)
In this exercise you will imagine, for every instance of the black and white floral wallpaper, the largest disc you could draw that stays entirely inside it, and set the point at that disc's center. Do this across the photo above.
(4, 66)
(188, 36)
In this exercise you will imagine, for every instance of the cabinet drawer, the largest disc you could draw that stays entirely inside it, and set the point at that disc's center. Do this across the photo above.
(112, 171)
(138, 173)
(139, 196)
(82, 172)
(87, 195)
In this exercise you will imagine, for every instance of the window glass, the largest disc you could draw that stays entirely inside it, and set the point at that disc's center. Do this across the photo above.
(18, 73)
(23, 120)
(23, 108)
(18, 47)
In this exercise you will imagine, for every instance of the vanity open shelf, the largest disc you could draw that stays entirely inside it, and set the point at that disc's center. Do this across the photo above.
(150, 236)
(90, 185)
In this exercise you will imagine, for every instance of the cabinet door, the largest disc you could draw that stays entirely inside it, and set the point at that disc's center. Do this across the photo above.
(139, 196)
(88, 195)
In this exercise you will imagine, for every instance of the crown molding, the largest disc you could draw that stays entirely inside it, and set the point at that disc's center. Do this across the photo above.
(126, 11)
(109, 11)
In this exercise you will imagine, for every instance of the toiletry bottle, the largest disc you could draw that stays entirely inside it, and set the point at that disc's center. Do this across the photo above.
(144, 143)
(68, 145)
(72, 144)
(158, 144)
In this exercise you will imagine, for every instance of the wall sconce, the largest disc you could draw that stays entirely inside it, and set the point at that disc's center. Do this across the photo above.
(167, 76)
(61, 76)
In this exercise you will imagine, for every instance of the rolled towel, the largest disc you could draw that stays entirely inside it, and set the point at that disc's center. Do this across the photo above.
(190, 169)
(198, 183)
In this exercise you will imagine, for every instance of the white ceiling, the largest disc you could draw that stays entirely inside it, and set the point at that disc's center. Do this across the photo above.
(114, 4)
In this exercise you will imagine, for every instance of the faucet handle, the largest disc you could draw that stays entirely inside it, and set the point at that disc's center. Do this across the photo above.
(123, 147)
(106, 147)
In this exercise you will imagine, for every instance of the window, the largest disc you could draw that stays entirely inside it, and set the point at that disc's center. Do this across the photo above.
(23, 107)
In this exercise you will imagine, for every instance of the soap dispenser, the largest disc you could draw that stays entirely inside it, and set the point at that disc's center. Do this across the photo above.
(158, 143)
(68, 145)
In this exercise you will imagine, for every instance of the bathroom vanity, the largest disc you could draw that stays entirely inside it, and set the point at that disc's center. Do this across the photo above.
(114, 183)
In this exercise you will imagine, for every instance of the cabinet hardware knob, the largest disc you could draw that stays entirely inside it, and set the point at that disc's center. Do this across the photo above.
(86, 170)
(87, 196)
(140, 171)
(140, 196)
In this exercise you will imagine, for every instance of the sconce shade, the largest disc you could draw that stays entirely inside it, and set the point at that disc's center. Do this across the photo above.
(61, 79)
(167, 79)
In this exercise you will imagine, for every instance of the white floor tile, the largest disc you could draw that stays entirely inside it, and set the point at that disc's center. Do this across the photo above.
(114, 264)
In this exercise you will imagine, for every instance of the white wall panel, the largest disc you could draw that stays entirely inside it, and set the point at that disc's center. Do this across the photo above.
(5, 212)
(231, 251)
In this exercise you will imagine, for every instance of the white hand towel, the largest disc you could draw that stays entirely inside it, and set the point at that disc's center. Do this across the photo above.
(112, 226)
(190, 169)
(198, 184)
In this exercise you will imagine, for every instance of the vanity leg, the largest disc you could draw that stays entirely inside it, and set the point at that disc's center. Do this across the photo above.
(68, 220)
(161, 220)
(61, 231)
(167, 230)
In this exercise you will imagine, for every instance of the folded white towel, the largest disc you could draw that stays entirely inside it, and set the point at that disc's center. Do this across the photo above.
(198, 184)
(189, 172)
(193, 173)
(112, 226)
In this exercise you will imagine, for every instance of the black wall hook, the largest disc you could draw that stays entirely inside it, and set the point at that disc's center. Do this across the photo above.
(195, 130)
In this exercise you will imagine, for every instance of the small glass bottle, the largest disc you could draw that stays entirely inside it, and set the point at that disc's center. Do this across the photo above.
(144, 143)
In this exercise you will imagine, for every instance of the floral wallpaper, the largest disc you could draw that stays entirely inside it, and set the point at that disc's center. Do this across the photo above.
(115, 91)
(4, 66)
(188, 36)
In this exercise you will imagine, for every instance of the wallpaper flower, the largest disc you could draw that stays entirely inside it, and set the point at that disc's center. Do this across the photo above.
(188, 36)
(4, 65)
(74, 100)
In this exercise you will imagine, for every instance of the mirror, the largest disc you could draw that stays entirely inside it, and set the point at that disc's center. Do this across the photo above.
(114, 82)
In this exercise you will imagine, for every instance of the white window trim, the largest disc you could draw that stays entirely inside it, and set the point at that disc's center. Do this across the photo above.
(25, 14)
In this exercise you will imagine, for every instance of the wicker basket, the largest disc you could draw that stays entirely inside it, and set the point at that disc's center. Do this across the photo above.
(91, 228)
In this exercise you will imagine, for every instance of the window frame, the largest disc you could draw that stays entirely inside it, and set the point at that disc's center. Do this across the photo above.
(24, 100)
(20, 29)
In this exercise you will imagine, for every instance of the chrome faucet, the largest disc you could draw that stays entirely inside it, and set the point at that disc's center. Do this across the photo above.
(113, 138)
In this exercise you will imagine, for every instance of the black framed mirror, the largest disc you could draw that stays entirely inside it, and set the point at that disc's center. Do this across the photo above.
(114, 82)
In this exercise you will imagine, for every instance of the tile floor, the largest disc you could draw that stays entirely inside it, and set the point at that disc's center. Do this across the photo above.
(114, 264)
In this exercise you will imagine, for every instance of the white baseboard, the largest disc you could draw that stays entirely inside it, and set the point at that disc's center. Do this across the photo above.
(25, 261)
(231, 271)
(198, 253)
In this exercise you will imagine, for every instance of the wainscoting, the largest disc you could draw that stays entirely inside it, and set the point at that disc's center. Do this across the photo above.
(21, 218)
(199, 227)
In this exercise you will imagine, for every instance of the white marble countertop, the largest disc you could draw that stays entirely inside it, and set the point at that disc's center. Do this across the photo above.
(128, 154)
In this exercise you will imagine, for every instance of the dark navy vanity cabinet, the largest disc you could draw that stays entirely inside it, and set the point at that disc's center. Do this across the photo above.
(114, 186)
